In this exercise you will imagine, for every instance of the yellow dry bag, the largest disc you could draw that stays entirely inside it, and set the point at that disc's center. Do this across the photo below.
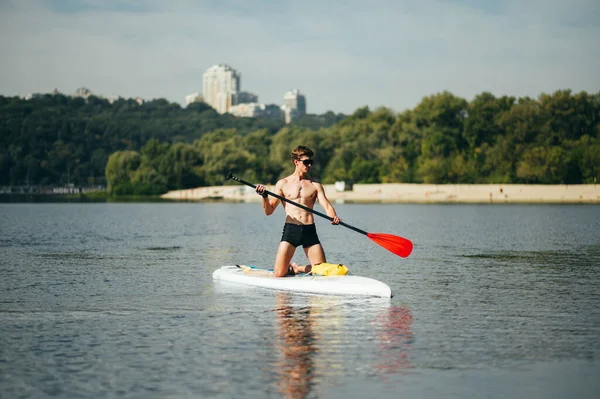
(329, 269)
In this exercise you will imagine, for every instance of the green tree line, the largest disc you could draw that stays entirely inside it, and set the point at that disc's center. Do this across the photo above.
(552, 139)
(57, 139)
(445, 139)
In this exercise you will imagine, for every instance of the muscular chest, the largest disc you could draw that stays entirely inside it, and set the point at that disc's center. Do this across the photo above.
(296, 190)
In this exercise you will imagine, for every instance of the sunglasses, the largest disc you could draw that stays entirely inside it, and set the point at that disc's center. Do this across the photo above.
(306, 162)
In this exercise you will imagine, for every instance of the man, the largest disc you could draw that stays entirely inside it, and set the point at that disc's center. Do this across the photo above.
(299, 228)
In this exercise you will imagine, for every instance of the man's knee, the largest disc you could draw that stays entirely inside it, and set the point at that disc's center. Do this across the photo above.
(280, 272)
(282, 262)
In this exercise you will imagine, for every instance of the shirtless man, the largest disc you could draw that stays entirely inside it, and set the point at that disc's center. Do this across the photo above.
(299, 228)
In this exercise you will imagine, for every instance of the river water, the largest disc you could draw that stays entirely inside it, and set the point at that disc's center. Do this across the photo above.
(117, 300)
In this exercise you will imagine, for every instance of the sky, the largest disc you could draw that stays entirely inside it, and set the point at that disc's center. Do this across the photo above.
(341, 54)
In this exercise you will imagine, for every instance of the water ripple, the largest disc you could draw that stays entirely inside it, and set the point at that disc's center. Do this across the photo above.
(119, 302)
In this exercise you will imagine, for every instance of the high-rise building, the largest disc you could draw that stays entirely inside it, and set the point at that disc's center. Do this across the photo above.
(294, 104)
(221, 87)
(294, 100)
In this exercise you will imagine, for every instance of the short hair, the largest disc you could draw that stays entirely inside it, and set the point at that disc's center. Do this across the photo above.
(301, 150)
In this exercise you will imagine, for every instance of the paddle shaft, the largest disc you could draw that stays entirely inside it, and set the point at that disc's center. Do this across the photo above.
(279, 197)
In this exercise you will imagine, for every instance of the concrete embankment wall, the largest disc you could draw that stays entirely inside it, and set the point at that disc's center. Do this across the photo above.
(417, 193)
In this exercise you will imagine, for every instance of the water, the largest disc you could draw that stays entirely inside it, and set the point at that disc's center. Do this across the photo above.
(117, 300)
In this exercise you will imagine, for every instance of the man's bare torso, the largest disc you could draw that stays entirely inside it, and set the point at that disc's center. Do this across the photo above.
(301, 191)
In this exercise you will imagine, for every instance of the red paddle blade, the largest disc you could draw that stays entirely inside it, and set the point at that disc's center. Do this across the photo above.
(398, 245)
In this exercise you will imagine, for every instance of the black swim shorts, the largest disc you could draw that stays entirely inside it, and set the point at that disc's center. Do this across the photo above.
(300, 234)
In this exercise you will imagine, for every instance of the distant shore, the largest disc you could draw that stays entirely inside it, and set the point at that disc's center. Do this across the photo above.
(416, 193)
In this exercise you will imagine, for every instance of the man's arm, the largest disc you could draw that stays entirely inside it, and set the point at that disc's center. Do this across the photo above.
(326, 204)
(269, 203)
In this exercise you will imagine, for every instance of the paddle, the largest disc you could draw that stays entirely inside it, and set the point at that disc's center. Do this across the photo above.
(398, 245)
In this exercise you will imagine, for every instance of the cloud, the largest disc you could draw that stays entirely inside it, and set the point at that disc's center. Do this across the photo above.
(342, 55)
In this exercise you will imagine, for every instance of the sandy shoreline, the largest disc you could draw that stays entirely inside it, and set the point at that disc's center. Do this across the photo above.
(417, 193)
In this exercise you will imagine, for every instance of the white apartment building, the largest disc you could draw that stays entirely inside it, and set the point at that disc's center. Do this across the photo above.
(221, 85)
(294, 104)
(294, 100)
(247, 110)
(254, 110)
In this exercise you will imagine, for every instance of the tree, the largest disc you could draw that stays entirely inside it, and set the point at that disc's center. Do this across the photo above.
(543, 165)
(120, 168)
(56, 139)
(481, 124)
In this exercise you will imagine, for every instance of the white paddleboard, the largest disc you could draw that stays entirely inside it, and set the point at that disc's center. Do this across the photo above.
(326, 285)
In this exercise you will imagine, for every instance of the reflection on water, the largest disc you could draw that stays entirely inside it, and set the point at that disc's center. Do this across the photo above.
(395, 339)
(312, 340)
(297, 345)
